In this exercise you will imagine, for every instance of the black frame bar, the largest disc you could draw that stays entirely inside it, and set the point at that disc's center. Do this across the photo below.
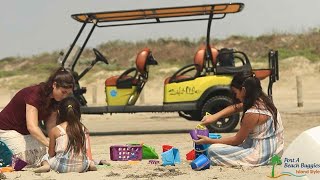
(92, 19)
(73, 43)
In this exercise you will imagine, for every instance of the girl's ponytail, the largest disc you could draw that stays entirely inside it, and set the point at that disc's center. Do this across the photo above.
(69, 111)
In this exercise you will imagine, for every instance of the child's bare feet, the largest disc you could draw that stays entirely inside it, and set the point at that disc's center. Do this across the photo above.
(92, 167)
(45, 167)
(104, 162)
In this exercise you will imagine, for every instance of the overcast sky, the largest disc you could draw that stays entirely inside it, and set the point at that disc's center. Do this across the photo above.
(35, 26)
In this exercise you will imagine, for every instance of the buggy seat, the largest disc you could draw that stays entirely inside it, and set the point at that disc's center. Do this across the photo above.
(198, 65)
(131, 81)
(140, 71)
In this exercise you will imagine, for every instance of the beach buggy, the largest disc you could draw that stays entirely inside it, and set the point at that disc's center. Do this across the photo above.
(196, 89)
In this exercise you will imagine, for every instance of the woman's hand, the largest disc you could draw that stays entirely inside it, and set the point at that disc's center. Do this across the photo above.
(226, 112)
(208, 119)
(203, 140)
(53, 134)
(32, 125)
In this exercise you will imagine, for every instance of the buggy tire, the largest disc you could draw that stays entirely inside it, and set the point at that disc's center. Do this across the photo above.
(214, 105)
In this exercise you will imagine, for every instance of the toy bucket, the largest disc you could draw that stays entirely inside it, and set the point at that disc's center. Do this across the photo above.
(200, 163)
(195, 132)
(166, 147)
(200, 149)
(170, 157)
(191, 155)
(18, 164)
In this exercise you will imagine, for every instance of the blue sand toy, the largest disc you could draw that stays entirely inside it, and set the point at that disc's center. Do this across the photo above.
(170, 157)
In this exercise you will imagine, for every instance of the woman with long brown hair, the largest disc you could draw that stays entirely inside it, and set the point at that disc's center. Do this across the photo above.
(68, 142)
(261, 132)
(19, 120)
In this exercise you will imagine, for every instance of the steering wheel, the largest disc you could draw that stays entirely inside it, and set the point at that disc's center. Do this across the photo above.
(184, 70)
(99, 56)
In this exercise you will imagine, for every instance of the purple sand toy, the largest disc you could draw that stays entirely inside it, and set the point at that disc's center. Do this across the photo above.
(18, 164)
(126, 152)
(195, 132)
(153, 162)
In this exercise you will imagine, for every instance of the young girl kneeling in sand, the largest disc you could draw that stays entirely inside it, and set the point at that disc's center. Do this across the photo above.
(67, 146)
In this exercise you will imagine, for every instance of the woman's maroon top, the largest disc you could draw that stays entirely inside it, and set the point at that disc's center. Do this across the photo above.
(13, 116)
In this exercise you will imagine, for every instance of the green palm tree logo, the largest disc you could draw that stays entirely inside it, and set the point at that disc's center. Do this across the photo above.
(275, 160)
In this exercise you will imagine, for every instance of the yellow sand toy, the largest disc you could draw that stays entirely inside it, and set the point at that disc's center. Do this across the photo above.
(200, 126)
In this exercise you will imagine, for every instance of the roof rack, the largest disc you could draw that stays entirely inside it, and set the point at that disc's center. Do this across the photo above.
(152, 16)
(159, 15)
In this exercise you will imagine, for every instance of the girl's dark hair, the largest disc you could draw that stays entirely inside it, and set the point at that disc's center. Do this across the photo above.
(69, 111)
(63, 78)
(253, 94)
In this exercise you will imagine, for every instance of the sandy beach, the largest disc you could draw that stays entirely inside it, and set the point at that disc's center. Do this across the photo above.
(157, 129)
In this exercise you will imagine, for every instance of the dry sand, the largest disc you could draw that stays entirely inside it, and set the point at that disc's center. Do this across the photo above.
(169, 128)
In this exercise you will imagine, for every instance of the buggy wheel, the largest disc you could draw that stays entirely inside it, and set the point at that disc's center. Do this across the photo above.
(214, 105)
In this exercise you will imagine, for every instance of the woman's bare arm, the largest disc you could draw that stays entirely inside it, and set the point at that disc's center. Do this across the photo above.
(33, 125)
(226, 112)
(53, 134)
(51, 121)
(249, 121)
